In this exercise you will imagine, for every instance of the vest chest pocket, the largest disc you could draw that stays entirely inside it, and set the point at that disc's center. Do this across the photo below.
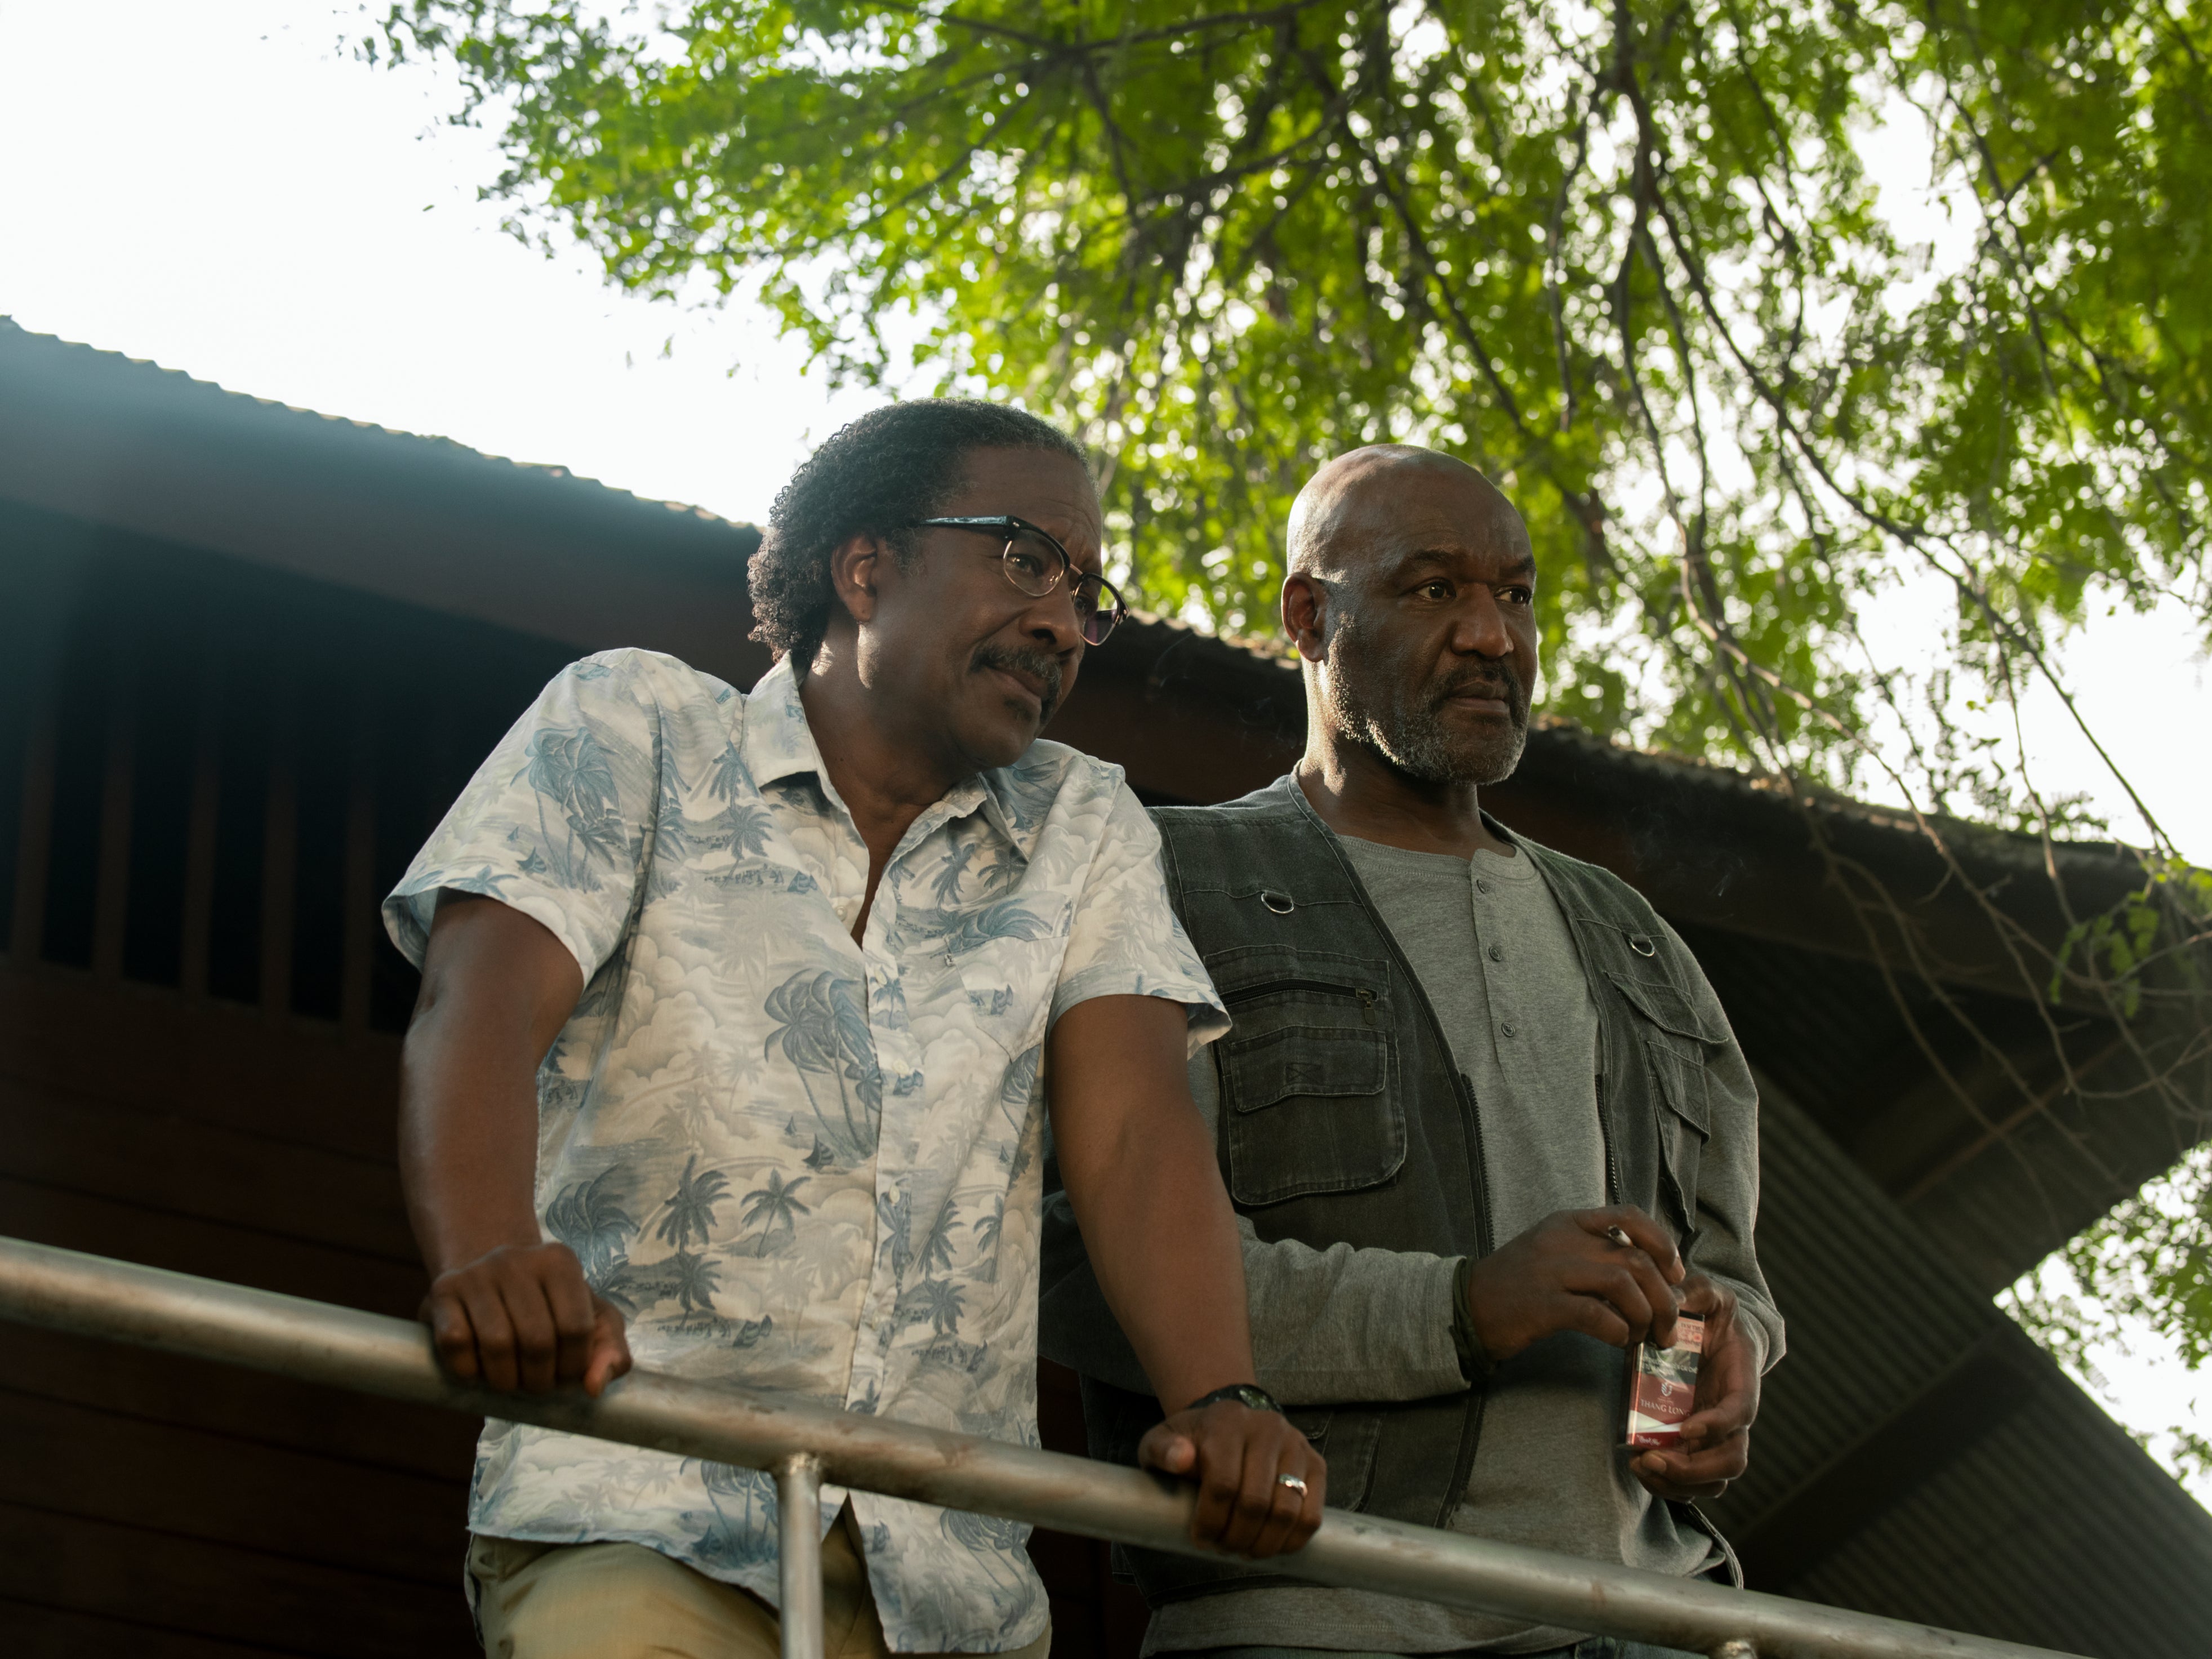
(1685, 1120)
(1309, 1109)
(1675, 1042)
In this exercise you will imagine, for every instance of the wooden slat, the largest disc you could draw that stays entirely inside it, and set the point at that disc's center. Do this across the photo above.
(280, 851)
(362, 927)
(211, 1062)
(35, 840)
(100, 1467)
(217, 1590)
(78, 1221)
(112, 891)
(52, 1633)
(200, 836)
(164, 1162)
(226, 1400)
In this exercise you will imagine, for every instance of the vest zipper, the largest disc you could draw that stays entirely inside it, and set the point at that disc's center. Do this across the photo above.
(1605, 1134)
(1473, 1108)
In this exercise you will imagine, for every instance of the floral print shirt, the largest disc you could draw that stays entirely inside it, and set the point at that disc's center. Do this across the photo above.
(795, 1162)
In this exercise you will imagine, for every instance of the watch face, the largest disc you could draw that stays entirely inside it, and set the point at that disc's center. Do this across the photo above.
(1249, 1396)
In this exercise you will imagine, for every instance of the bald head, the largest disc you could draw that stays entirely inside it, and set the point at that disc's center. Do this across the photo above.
(1410, 596)
(1356, 508)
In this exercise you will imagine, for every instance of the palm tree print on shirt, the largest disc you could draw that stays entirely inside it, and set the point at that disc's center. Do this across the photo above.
(946, 887)
(691, 1216)
(938, 1302)
(1019, 1084)
(989, 1226)
(822, 1030)
(696, 1281)
(571, 770)
(936, 1252)
(691, 1205)
(774, 1206)
(589, 1219)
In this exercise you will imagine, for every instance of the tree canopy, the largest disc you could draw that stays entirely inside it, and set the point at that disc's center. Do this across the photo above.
(1630, 258)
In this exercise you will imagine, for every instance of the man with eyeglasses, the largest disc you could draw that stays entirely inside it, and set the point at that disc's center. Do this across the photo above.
(731, 1057)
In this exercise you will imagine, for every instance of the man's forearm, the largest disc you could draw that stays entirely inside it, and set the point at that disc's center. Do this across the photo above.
(1341, 1325)
(468, 1144)
(1338, 1326)
(1163, 1241)
(1141, 1177)
(496, 986)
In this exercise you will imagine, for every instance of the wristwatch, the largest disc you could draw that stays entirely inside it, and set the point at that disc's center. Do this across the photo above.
(1251, 1395)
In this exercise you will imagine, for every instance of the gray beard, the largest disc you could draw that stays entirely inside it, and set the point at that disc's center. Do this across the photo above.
(1409, 736)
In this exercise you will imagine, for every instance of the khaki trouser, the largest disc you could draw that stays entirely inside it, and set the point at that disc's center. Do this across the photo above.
(625, 1602)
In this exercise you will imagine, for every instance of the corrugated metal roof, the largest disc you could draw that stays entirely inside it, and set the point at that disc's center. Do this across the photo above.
(77, 359)
(2025, 1513)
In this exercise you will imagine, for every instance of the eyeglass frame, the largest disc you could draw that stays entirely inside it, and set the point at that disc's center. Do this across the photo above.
(1012, 529)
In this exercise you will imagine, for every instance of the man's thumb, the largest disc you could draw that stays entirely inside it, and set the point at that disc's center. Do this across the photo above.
(1167, 1451)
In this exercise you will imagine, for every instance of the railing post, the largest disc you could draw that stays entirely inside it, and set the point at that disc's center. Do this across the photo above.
(799, 1508)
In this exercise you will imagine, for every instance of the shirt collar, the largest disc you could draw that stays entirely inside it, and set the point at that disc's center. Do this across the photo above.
(779, 744)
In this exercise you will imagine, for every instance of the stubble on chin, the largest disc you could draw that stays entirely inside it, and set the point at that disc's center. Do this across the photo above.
(1411, 732)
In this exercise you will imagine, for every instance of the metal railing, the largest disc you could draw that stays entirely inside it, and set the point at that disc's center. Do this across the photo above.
(807, 1444)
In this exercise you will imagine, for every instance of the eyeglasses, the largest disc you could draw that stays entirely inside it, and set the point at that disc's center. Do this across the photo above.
(1035, 563)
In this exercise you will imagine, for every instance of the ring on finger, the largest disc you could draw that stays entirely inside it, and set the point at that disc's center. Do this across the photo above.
(1292, 1483)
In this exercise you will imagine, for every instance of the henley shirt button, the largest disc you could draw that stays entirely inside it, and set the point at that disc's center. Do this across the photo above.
(1507, 1027)
(1497, 953)
(1481, 886)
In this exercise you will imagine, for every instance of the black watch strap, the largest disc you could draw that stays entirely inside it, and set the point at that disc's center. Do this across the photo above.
(1251, 1395)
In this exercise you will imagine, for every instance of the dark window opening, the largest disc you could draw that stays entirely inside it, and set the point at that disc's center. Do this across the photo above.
(80, 737)
(165, 696)
(241, 829)
(324, 774)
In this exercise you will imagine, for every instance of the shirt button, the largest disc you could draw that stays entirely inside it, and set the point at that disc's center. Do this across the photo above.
(1497, 953)
(1507, 1027)
(1481, 886)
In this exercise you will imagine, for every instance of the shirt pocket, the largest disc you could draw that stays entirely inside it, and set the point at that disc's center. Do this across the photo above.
(1307, 1071)
(1001, 969)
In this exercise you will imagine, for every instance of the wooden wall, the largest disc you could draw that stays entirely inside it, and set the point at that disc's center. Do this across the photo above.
(208, 775)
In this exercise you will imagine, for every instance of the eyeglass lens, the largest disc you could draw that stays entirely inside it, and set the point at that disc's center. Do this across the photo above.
(1035, 568)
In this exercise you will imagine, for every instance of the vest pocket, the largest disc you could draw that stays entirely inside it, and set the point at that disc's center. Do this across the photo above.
(1347, 1441)
(1676, 1044)
(1310, 1110)
(1683, 1123)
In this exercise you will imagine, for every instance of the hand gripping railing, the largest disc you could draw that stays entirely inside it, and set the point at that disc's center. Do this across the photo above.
(807, 1444)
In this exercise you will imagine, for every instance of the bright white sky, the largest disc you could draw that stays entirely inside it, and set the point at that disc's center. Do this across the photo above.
(219, 187)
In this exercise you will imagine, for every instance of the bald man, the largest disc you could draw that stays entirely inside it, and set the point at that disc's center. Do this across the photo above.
(1482, 1118)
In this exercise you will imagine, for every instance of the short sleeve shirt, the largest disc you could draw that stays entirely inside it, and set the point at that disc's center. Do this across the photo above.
(797, 1162)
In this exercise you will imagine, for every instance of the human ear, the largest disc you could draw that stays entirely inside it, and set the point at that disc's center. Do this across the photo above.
(1305, 615)
(852, 570)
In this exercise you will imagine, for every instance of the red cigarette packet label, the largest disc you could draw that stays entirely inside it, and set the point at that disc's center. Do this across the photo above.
(1664, 1385)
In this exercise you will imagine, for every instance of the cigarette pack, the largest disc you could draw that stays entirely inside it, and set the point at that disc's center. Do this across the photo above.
(1664, 1385)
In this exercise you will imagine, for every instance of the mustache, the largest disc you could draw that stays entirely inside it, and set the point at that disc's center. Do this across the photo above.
(1497, 680)
(1041, 665)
